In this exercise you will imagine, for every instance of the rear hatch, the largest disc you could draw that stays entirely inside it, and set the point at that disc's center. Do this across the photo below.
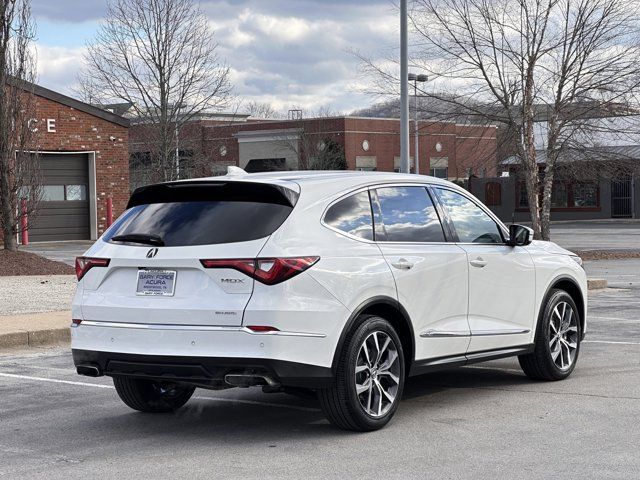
(155, 250)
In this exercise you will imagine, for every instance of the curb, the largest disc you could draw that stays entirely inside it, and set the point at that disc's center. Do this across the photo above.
(36, 338)
(596, 283)
(34, 329)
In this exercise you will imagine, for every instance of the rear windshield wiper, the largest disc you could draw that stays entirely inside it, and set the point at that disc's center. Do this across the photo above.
(143, 238)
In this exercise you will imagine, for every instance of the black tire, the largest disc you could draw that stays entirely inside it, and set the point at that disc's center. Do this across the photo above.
(152, 396)
(540, 364)
(340, 402)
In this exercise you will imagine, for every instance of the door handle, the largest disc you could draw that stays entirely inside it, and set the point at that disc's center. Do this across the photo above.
(402, 264)
(478, 262)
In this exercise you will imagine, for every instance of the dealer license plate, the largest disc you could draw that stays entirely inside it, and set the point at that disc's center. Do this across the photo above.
(156, 282)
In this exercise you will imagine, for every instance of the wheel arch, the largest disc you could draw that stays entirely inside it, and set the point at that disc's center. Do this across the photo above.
(570, 286)
(389, 309)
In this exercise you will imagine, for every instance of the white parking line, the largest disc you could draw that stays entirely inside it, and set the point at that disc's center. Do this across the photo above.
(611, 342)
(214, 399)
(53, 380)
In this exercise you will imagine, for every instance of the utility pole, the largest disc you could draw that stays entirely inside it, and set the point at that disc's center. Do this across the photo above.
(404, 89)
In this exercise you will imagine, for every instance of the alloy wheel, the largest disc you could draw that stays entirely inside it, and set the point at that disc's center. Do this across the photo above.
(377, 374)
(563, 335)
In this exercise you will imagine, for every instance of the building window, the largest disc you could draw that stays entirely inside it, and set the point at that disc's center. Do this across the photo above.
(439, 172)
(566, 195)
(559, 195)
(140, 170)
(585, 194)
(366, 164)
(493, 194)
(521, 195)
(439, 167)
(61, 193)
(53, 193)
(75, 192)
(396, 164)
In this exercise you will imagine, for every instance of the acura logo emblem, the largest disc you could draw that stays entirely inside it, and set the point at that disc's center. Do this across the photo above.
(152, 253)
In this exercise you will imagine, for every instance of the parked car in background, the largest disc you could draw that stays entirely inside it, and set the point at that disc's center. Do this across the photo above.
(340, 283)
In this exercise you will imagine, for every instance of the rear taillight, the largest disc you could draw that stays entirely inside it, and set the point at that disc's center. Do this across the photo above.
(269, 271)
(84, 264)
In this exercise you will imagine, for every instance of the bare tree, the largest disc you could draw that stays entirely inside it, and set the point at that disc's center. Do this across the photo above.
(506, 62)
(261, 110)
(160, 56)
(316, 143)
(20, 179)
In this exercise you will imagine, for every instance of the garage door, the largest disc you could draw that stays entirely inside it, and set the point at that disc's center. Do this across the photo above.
(64, 210)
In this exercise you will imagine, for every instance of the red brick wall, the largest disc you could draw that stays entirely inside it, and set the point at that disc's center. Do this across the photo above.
(77, 131)
(465, 146)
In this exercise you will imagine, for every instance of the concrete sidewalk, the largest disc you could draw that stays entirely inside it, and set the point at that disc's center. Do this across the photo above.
(34, 329)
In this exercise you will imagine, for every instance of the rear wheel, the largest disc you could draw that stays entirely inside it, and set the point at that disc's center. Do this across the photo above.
(369, 378)
(152, 396)
(557, 343)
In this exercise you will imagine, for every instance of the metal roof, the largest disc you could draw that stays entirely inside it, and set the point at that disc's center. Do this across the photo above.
(597, 154)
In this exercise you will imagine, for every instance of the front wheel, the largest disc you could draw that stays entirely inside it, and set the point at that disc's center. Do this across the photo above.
(152, 396)
(369, 378)
(557, 343)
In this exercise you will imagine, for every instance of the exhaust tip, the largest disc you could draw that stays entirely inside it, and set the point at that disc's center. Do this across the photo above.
(249, 380)
(89, 370)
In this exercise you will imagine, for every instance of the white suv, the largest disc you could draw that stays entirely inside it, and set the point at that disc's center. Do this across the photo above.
(342, 283)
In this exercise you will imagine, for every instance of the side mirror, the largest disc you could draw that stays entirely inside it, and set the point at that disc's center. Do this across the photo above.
(519, 235)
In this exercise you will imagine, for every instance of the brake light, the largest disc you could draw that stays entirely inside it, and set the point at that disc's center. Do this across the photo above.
(84, 264)
(269, 271)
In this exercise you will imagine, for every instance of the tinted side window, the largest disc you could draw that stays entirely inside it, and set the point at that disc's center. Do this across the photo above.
(352, 215)
(409, 215)
(472, 224)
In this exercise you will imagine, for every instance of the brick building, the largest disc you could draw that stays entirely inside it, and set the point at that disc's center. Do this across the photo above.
(446, 150)
(83, 152)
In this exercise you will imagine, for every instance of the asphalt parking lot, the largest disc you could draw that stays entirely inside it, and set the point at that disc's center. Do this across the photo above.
(484, 421)
(613, 235)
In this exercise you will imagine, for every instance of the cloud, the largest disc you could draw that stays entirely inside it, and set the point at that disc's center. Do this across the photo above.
(68, 10)
(58, 67)
(280, 51)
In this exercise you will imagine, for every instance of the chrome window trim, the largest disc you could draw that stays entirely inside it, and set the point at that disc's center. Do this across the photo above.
(196, 328)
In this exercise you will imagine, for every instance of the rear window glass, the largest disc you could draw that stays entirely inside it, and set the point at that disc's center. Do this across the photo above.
(352, 215)
(187, 215)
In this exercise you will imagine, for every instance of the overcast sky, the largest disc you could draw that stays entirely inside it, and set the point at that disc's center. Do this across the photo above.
(284, 52)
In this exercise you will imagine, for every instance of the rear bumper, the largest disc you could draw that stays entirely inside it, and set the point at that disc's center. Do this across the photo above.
(202, 371)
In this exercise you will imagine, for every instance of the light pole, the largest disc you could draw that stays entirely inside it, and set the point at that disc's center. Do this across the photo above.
(179, 107)
(404, 90)
(415, 79)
